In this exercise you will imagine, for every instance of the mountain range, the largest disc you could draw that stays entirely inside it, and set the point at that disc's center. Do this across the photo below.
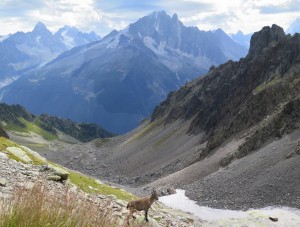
(22, 51)
(241, 38)
(117, 81)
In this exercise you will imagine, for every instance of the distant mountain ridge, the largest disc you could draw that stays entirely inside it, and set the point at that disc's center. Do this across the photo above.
(116, 82)
(24, 51)
(16, 118)
(294, 27)
(241, 38)
(72, 37)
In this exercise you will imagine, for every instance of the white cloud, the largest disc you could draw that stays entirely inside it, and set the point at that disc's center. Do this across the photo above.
(103, 16)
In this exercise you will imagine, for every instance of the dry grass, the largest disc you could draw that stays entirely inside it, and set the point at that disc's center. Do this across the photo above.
(40, 206)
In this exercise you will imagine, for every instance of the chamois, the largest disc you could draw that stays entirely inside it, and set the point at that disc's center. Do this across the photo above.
(141, 204)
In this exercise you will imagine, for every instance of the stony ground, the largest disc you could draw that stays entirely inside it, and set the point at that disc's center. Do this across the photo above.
(18, 175)
(269, 176)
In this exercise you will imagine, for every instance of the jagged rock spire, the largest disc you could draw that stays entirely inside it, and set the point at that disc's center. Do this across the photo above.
(263, 38)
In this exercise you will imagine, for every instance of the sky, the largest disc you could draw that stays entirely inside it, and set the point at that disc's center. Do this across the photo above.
(102, 16)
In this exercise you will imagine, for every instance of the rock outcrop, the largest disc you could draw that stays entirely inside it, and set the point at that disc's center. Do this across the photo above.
(3, 133)
(264, 38)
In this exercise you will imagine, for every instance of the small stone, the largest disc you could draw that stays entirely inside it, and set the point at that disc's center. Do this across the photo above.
(60, 172)
(171, 191)
(102, 197)
(44, 168)
(112, 197)
(3, 182)
(290, 155)
(29, 185)
(273, 219)
(121, 202)
(54, 178)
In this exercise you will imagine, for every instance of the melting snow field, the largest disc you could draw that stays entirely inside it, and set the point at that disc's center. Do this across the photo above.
(286, 216)
(180, 201)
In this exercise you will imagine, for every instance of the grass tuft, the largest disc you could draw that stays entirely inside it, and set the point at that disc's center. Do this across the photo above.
(40, 206)
(90, 185)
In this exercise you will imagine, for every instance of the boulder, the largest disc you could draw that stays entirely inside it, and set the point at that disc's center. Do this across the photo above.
(60, 172)
(34, 154)
(3, 182)
(44, 168)
(20, 154)
(54, 178)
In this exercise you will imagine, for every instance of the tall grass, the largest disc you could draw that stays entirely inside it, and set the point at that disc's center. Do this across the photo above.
(39, 207)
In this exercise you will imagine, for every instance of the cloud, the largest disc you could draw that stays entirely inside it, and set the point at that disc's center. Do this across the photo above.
(18, 8)
(221, 19)
(102, 16)
(288, 6)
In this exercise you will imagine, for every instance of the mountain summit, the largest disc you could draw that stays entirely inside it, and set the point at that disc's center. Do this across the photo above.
(40, 27)
(262, 39)
(72, 37)
(117, 81)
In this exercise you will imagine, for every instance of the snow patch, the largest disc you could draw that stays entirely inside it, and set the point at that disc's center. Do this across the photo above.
(37, 39)
(7, 81)
(68, 40)
(42, 53)
(180, 201)
(218, 217)
(2, 38)
(152, 45)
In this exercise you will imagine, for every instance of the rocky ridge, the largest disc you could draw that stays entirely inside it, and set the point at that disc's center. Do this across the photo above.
(17, 118)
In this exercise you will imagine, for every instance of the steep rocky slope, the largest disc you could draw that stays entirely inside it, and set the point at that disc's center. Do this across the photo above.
(237, 95)
(230, 138)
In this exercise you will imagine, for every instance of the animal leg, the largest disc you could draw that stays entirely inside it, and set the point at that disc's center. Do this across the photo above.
(146, 215)
(130, 214)
(133, 215)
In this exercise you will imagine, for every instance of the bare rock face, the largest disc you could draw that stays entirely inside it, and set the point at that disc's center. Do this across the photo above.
(264, 38)
(3, 133)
